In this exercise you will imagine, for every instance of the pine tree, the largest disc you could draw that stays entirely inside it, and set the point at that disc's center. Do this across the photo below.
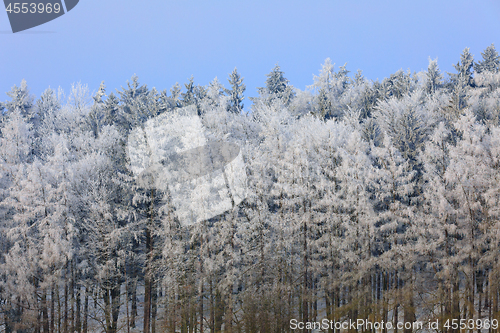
(214, 96)
(194, 95)
(235, 94)
(48, 105)
(407, 122)
(21, 101)
(277, 87)
(331, 87)
(463, 77)
(434, 77)
(490, 62)
(398, 84)
(175, 94)
(188, 97)
(462, 81)
(131, 100)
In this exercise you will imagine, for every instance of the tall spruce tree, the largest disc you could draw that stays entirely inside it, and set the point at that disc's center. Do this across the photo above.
(236, 96)
(490, 62)
(277, 87)
(463, 77)
(21, 100)
(434, 77)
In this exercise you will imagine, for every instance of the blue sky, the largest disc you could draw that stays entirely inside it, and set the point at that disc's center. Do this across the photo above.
(165, 42)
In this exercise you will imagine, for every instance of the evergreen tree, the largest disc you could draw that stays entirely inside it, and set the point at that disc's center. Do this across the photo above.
(236, 92)
(463, 77)
(434, 77)
(131, 100)
(21, 100)
(111, 110)
(175, 94)
(398, 84)
(48, 105)
(407, 122)
(326, 78)
(332, 88)
(188, 97)
(490, 62)
(214, 96)
(193, 95)
(277, 87)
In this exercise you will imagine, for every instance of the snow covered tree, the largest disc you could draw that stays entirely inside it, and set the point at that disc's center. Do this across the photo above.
(461, 83)
(484, 99)
(388, 210)
(490, 62)
(277, 87)
(434, 77)
(331, 87)
(398, 84)
(236, 92)
(21, 100)
(407, 121)
(463, 77)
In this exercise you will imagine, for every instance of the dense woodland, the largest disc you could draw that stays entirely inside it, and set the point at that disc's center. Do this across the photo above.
(366, 199)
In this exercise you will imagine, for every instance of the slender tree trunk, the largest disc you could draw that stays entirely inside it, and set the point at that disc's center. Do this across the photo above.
(78, 321)
(149, 262)
(328, 308)
(134, 299)
(52, 309)
(45, 314)
(115, 305)
(147, 283)
(409, 309)
(86, 310)
(396, 299)
(127, 297)
(72, 298)
(212, 307)
(305, 304)
(154, 300)
(107, 309)
(59, 309)
(66, 309)
(385, 297)
(219, 311)
(480, 290)
(228, 328)
(200, 291)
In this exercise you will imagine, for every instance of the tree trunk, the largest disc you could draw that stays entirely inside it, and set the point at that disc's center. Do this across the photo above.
(52, 309)
(72, 298)
(59, 310)
(115, 306)
(154, 298)
(86, 310)
(134, 301)
(45, 314)
(149, 261)
(409, 308)
(212, 307)
(78, 319)
(305, 304)
(66, 310)
(107, 310)
(147, 284)
(200, 292)
(328, 308)
(396, 299)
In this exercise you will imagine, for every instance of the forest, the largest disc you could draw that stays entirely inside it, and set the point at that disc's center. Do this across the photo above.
(365, 199)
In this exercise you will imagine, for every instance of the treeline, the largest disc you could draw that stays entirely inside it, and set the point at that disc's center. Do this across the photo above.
(371, 200)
